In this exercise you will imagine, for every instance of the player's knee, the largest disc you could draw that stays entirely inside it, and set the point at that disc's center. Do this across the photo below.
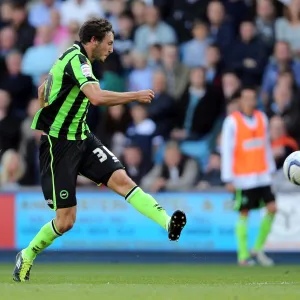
(65, 219)
(121, 179)
(272, 208)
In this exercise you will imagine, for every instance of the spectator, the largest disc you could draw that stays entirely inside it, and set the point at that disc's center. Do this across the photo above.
(124, 39)
(154, 56)
(60, 32)
(143, 133)
(244, 58)
(138, 8)
(282, 144)
(34, 62)
(73, 35)
(211, 176)
(230, 84)
(233, 103)
(178, 172)
(132, 159)
(31, 158)
(265, 23)
(221, 30)
(6, 9)
(154, 31)
(288, 28)
(40, 12)
(19, 86)
(116, 120)
(181, 15)
(286, 106)
(9, 125)
(115, 9)
(26, 132)
(177, 74)
(8, 40)
(213, 66)
(141, 76)
(197, 115)
(281, 61)
(12, 170)
(79, 11)
(25, 32)
(193, 51)
(198, 109)
(161, 109)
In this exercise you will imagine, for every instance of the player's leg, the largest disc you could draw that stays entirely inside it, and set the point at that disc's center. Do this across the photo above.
(59, 162)
(243, 205)
(265, 227)
(101, 166)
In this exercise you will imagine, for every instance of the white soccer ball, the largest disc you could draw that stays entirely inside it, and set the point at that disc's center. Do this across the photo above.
(291, 167)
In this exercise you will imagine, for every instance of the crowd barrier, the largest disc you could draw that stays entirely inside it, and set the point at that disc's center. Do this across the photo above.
(106, 222)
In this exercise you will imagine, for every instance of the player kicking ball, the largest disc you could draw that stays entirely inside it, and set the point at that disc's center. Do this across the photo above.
(68, 148)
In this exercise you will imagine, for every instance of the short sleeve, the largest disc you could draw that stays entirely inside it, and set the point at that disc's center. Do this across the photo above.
(80, 70)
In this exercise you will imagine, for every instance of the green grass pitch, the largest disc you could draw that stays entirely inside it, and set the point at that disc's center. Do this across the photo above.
(155, 282)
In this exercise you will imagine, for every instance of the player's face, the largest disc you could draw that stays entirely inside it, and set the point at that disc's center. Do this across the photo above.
(105, 48)
(248, 100)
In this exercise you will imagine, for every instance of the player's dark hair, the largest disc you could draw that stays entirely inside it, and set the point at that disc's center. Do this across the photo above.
(96, 27)
(249, 87)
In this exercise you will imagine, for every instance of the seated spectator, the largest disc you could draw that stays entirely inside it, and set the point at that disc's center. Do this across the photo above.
(281, 61)
(31, 176)
(178, 172)
(282, 144)
(193, 51)
(230, 84)
(19, 86)
(9, 125)
(198, 109)
(265, 23)
(40, 12)
(12, 170)
(26, 132)
(6, 8)
(221, 30)
(114, 9)
(8, 38)
(25, 32)
(211, 176)
(287, 106)
(154, 56)
(183, 13)
(141, 76)
(79, 11)
(244, 58)
(177, 73)
(213, 66)
(116, 120)
(132, 160)
(34, 62)
(60, 32)
(124, 39)
(154, 31)
(143, 133)
(161, 109)
(232, 104)
(138, 9)
(287, 28)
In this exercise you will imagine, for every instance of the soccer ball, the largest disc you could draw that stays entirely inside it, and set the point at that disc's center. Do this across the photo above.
(291, 167)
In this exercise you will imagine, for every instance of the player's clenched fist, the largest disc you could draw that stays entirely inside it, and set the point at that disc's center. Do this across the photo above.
(145, 96)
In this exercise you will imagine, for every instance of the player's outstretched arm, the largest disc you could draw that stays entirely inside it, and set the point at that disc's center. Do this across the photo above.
(98, 97)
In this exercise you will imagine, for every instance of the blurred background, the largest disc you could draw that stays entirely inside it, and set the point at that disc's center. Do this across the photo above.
(186, 51)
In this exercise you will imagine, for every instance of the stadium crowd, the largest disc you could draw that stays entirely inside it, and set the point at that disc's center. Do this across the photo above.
(194, 54)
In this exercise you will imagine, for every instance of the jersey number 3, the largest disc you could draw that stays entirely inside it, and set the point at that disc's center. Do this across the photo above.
(102, 155)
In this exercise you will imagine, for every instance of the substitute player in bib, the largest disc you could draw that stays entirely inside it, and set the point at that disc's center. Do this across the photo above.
(247, 167)
(68, 148)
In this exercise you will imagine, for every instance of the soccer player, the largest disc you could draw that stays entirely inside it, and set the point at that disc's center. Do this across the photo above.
(247, 167)
(68, 148)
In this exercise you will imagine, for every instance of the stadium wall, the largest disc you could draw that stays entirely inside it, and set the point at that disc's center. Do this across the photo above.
(108, 229)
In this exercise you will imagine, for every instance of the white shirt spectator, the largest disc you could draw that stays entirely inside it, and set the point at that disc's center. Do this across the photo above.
(80, 11)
